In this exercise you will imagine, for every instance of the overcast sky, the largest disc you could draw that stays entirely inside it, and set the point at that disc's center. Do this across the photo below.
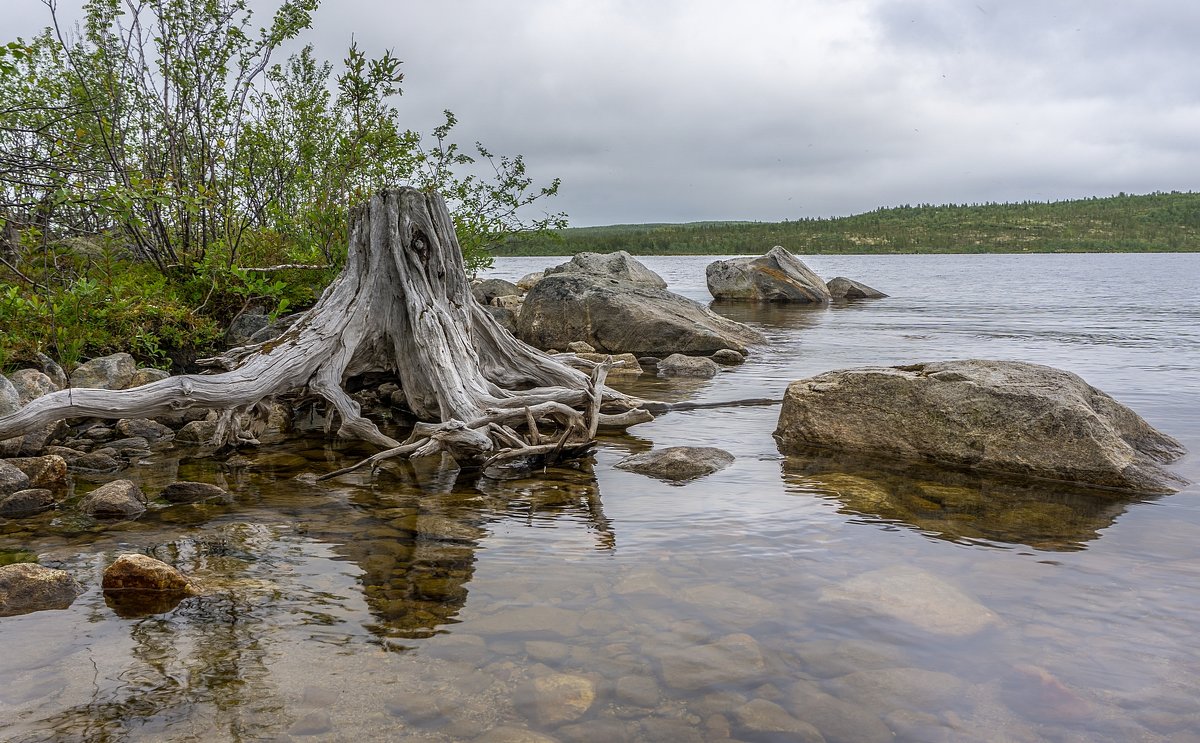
(672, 111)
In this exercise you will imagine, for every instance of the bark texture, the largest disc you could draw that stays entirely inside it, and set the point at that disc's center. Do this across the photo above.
(402, 304)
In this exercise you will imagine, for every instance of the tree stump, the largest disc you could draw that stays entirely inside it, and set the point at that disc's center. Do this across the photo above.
(403, 305)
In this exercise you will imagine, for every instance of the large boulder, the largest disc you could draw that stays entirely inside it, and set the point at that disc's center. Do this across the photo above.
(841, 287)
(113, 372)
(999, 416)
(777, 276)
(27, 587)
(619, 265)
(619, 317)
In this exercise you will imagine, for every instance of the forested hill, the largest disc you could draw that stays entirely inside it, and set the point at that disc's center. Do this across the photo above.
(1150, 223)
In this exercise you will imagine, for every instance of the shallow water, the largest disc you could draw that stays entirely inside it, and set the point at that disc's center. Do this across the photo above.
(783, 594)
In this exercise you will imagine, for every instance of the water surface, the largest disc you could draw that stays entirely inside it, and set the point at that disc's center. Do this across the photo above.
(867, 600)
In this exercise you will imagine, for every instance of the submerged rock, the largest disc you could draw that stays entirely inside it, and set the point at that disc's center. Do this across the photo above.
(194, 492)
(556, 699)
(732, 659)
(119, 499)
(1000, 416)
(678, 463)
(619, 317)
(761, 717)
(777, 276)
(841, 287)
(26, 587)
(914, 596)
(619, 265)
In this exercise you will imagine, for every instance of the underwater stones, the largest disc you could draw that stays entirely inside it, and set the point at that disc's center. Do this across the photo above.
(734, 658)
(898, 688)
(513, 734)
(837, 720)
(27, 587)
(1001, 416)
(678, 464)
(26, 503)
(94, 462)
(914, 596)
(113, 372)
(777, 276)
(119, 499)
(194, 492)
(525, 620)
(679, 365)
(555, 699)
(764, 717)
(639, 691)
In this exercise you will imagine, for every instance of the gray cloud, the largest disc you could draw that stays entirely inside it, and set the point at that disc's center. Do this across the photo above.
(772, 109)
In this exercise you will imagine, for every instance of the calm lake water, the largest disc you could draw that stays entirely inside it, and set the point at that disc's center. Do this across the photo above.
(782, 599)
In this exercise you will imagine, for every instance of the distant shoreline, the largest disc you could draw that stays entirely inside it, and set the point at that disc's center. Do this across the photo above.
(1150, 223)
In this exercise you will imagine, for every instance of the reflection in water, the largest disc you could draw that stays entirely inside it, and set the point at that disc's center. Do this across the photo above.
(958, 506)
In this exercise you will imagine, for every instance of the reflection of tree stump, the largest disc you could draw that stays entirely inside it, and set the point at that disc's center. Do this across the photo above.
(402, 305)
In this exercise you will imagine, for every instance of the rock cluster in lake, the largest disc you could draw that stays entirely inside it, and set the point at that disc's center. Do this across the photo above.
(779, 276)
(1000, 416)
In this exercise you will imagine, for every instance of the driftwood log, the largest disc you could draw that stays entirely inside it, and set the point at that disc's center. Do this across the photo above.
(403, 305)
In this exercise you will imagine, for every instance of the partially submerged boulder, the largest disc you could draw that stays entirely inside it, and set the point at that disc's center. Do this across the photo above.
(618, 317)
(777, 276)
(841, 287)
(26, 587)
(678, 463)
(1000, 416)
(47, 471)
(619, 265)
(24, 503)
(119, 499)
(194, 492)
(137, 585)
(678, 365)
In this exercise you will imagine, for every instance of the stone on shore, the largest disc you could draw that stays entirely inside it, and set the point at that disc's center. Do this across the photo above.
(48, 471)
(12, 478)
(619, 317)
(777, 276)
(678, 463)
(619, 265)
(629, 363)
(113, 372)
(147, 375)
(488, 289)
(27, 587)
(119, 499)
(998, 416)
(31, 384)
(26, 503)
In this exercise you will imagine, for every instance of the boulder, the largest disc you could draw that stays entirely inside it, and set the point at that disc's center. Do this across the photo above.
(146, 375)
(48, 471)
(580, 347)
(678, 365)
(137, 572)
(113, 372)
(506, 317)
(508, 301)
(53, 370)
(31, 384)
(10, 399)
(618, 317)
(33, 443)
(841, 287)
(619, 265)
(26, 503)
(728, 357)
(94, 462)
(529, 280)
(277, 328)
(629, 363)
(998, 416)
(26, 587)
(119, 499)
(144, 428)
(193, 492)
(678, 463)
(488, 289)
(196, 433)
(12, 478)
(244, 326)
(777, 276)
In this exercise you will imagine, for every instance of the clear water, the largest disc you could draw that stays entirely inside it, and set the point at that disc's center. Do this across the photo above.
(870, 602)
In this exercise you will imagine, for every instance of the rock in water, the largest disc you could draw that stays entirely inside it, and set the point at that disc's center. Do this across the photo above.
(777, 276)
(619, 265)
(194, 492)
(678, 463)
(119, 499)
(136, 572)
(916, 597)
(12, 478)
(26, 503)
(841, 287)
(999, 416)
(678, 365)
(619, 317)
(26, 587)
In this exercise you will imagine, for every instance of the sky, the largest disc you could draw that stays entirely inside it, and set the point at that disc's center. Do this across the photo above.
(688, 110)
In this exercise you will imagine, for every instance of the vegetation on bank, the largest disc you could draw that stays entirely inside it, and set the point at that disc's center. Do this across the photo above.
(158, 155)
(1158, 222)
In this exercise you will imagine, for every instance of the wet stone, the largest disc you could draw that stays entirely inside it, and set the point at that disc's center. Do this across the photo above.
(535, 620)
(898, 688)
(414, 708)
(12, 479)
(760, 716)
(144, 428)
(728, 357)
(194, 492)
(26, 503)
(114, 500)
(838, 721)
(137, 572)
(916, 597)
(313, 723)
(47, 471)
(555, 699)
(678, 463)
(196, 433)
(27, 587)
(513, 734)
(94, 462)
(732, 659)
(669, 730)
(638, 690)
(546, 652)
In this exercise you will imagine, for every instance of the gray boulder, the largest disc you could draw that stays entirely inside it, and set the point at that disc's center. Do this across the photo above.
(26, 587)
(31, 384)
(10, 399)
(619, 317)
(94, 462)
(119, 499)
(841, 287)
(26, 503)
(527, 282)
(113, 372)
(619, 265)
(53, 370)
(777, 276)
(506, 317)
(244, 326)
(678, 463)
(145, 428)
(678, 365)
(12, 478)
(197, 433)
(1000, 416)
(488, 289)
(146, 375)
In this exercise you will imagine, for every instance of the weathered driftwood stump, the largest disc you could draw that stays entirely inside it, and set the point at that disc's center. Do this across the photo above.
(402, 305)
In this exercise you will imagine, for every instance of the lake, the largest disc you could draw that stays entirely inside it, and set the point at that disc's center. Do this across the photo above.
(784, 598)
